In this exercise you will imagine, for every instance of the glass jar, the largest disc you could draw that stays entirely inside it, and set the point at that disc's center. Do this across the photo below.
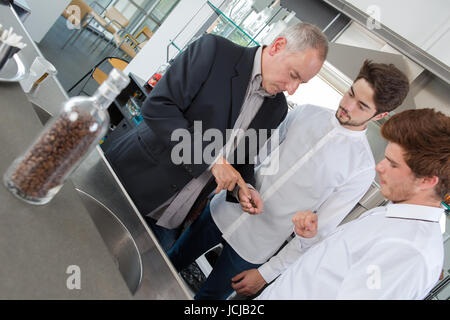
(38, 174)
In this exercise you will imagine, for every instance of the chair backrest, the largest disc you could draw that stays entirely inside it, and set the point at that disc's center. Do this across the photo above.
(128, 49)
(113, 14)
(146, 31)
(99, 76)
(101, 72)
(100, 20)
(118, 63)
(84, 9)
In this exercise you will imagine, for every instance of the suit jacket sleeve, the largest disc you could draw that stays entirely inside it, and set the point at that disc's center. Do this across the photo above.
(163, 111)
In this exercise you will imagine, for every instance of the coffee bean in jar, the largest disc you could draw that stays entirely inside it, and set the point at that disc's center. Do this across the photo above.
(44, 167)
(41, 171)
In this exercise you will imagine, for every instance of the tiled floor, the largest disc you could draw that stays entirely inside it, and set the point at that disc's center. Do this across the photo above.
(77, 58)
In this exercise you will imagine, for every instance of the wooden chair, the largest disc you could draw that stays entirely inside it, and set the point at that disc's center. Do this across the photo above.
(86, 15)
(129, 44)
(108, 20)
(99, 72)
(113, 22)
(84, 10)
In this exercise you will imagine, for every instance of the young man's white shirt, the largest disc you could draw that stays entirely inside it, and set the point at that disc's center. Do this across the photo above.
(323, 167)
(391, 252)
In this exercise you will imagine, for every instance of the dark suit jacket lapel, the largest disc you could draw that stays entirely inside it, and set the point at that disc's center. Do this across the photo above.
(239, 82)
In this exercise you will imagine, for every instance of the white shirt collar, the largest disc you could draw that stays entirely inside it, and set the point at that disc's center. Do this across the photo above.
(412, 211)
(257, 74)
(348, 132)
(257, 63)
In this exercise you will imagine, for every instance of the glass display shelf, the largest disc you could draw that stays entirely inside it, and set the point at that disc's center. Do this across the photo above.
(225, 26)
(237, 21)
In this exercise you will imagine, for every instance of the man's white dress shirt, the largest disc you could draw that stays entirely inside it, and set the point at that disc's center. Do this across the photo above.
(391, 252)
(323, 167)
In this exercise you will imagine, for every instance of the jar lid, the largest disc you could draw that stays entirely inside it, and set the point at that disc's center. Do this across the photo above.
(114, 84)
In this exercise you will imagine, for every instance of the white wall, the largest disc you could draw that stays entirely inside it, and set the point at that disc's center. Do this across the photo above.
(44, 14)
(435, 94)
(357, 36)
(316, 92)
(424, 23)
(432, 94)
(155, 51)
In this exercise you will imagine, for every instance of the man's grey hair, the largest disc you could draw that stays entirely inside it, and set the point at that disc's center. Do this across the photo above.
(304, 35)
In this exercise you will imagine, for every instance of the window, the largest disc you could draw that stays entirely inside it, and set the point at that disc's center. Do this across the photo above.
(317, 92)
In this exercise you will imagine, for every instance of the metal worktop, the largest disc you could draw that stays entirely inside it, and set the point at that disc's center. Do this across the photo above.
(134, 252)
(41, 247)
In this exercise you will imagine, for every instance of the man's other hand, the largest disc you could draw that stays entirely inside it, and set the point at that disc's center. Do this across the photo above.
(248, 282)
(254, 205)
(305, 224)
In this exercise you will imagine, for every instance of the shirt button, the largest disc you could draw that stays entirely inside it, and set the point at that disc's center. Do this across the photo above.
(174, 186)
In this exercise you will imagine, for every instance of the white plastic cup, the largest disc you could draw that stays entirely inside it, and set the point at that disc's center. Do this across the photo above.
(39, 71)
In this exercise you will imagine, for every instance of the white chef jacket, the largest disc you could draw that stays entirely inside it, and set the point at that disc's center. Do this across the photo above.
(391, 252)
(330, 169)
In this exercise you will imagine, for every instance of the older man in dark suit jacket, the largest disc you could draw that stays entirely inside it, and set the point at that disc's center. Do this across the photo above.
(213, 81)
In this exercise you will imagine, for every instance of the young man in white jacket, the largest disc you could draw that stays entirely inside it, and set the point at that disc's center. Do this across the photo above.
(390, 252)
(324, 164)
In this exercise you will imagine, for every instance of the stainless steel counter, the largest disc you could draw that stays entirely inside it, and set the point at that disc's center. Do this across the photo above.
(135, 251)
(46, 250)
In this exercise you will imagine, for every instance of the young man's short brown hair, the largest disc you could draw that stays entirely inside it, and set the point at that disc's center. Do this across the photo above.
(390, 85)
(424, 134)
